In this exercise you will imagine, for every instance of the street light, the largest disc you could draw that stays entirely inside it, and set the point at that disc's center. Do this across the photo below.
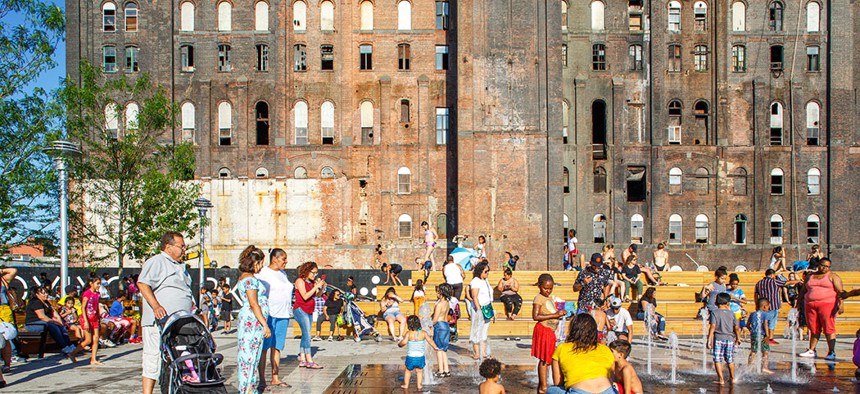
(202, 206)
(60, 150)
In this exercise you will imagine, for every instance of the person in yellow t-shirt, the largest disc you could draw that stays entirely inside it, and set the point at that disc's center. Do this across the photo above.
(582, 364)
(72, 291)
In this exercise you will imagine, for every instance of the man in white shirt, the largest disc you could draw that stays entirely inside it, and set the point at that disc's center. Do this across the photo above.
(620, 320)
(280, 291)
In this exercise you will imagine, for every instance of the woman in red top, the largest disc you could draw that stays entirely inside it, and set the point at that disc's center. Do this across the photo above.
(822, 296)
(307, 287)
(90, 317)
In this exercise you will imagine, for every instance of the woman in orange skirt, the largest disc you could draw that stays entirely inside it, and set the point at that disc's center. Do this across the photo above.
(547, 315)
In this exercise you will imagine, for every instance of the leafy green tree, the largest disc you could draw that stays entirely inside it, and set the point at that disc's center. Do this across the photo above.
(29, 33)
(132, 183)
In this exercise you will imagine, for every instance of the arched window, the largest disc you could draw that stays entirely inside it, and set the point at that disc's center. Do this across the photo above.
(813, 182)
(262, 121)
(674, 128)
(224, 173)
(598, 57)
(675, 175)
(599, 180)
(637, 229)
(130, 17)
(739, 58)
(599, 228)
(300, 112)
(111, 121)
(776, 123)
(261, 16)
(597, 15)
(366, 110)
(565, 222)
(675, 226)
(813, 229)
(701, 229)
(327, 16)
(813, 127)
(225, 123)
(740, 229)
(775, 10)
(131, 111)
(564, 7)
(777, 181)
(674, 16)
(109, 17)
(404, 57)
(327, 173)
(300, 15)
(598, 129)
(327, 122)
(739, 182)
(635, 54)
(188, 121)
(813, 16)
(404, 15)
(404, 226)
(702, 181)
(366, 10)
(261, 173)
(701, 114)
(566, 180)
(442, 225)
(700, 16)
(776, 230)
(739, 16)
(404, 181)
(186, 16)
(225, 16)
(565, 119)
(300, 173)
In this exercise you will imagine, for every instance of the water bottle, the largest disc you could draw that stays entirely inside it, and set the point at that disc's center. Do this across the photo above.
(190, 365)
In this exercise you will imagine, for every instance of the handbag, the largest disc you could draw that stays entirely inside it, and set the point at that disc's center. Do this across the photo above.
(487, 311)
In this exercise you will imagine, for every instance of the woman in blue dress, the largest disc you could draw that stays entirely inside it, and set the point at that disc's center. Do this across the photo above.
(252, 326)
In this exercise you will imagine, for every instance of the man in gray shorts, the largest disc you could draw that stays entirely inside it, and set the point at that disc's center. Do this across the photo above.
(166, 286)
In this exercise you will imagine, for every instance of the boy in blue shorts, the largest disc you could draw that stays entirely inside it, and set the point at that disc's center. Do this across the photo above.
(414, 341)
(723, 335)
(759, 333)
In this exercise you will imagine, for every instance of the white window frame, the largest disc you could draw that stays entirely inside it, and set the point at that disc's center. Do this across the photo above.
(675, 180)
(404, 181)
(404, 226)
(676, 228)
(813, 229)
(327, 122)
(131, 12)
(109, 21)
(225, 123)
(777, 229)
(674, 135)
(132, 111)
(674, 17)
(443, 125)
(637, 229)
(774, 173)
(813, 182)
(702, 229)
(188, 121)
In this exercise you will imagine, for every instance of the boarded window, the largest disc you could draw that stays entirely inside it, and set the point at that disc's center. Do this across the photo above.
(261, 16)
(597, 15)
(300, 112)
(674, 16)
(300, 16)
(404, 224)
(739, 182)
(366, 10)
(186, 16)
(130, 17)
(225, 124)
(404, 15)
(404, 111)
(366, 110)
(327, 16)
(188, 122)
(404, 56)
(327, 122)
(702, 181)
(225, 16)
(599, 180)
(675, 175)
(404, 181)
(700, 16)
(739, 16)
(813, 15)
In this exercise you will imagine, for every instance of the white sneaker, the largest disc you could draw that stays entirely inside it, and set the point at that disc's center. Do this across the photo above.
(316, 339)
(809, 353)
(330, 338)
(358, 339)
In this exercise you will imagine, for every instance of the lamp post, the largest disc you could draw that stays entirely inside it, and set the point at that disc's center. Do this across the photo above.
(60, 150)
(202, 206)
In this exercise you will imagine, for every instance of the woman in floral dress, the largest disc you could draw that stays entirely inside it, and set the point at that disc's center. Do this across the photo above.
(252, 326)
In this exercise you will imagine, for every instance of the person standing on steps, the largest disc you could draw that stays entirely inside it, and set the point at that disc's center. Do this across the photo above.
(430, 238)
(166, 286)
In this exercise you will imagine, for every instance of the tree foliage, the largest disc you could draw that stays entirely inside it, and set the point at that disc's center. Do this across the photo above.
(132, 182)
(29, 33)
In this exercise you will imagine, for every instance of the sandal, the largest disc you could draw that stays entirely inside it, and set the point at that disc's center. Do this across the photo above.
(313, 365)
(7, 369)
(283, 385)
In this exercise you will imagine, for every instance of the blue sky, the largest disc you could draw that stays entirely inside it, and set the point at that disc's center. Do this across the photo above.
(51, 79)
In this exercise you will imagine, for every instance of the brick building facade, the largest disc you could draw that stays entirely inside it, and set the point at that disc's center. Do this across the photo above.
(330, 127)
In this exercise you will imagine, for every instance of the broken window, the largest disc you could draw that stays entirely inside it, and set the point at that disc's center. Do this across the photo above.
(700, 58)
(598, 57)
(675, 228)
(636, 57)
(674, 58)
(262, 121)
(637, 229)
(599, 228)
(327, 122)
(776, 123)
(700, 16)
(300, 57)
(636, 184)
(675, 179)
(403, 57)
(777, 182)
(813, 229)
(739, 61)
(775, 15)
(326, 57)
(813, 127)
(599, 180)
(776, 230)
(813, 60)
(740, 229)
(701, 229)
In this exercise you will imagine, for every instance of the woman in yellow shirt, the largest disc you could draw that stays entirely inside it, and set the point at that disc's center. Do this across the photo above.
(581, 364)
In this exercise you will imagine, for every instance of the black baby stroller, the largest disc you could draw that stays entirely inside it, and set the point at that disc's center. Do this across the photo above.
(189, 362)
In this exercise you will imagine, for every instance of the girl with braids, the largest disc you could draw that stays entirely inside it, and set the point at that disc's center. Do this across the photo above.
(252, 324)
(582, 364)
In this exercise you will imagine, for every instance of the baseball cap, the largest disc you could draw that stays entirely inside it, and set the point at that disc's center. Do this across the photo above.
(615, 303)
(633, 247)
(71, 289)
(596, 259)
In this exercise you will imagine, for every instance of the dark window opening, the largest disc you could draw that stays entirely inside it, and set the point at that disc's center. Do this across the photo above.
(598, 129)
(327, 57)
(776, 58)
(262, 117)
(637, 189)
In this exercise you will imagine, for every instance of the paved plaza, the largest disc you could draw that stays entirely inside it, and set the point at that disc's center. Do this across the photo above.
(121, 371)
